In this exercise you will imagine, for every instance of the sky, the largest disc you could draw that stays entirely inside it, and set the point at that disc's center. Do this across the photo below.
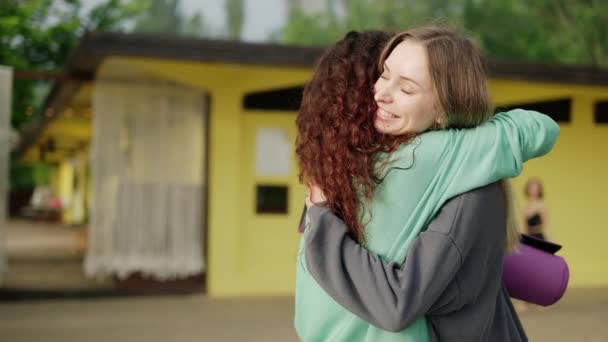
(262, 17)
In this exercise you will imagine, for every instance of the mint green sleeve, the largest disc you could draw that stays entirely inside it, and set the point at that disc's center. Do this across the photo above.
(497, 149)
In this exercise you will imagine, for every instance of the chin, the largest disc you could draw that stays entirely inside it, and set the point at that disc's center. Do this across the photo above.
(380, 129)
(385, 130)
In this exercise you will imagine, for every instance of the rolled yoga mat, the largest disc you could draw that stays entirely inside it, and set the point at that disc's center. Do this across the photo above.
(534, 274)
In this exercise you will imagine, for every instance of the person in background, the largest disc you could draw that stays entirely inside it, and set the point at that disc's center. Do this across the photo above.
(536, 220)
(536, 217)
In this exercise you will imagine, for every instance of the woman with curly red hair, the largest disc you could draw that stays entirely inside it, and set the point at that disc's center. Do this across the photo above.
(337, 143)
(383, 175)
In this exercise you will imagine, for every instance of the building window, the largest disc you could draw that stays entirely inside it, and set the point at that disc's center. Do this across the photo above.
(600, 112)
(271, 199)
(287, 99)
(558, 110)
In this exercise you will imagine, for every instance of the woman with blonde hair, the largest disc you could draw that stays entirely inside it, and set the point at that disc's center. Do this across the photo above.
(431, 79)
(536, 217)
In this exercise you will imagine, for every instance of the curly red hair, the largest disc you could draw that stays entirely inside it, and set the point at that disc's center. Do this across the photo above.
(337, 144)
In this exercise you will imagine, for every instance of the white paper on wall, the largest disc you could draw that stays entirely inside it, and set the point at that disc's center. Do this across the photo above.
(272, 152)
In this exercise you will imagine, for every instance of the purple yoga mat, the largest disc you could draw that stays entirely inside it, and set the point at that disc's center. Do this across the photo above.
(535, 275)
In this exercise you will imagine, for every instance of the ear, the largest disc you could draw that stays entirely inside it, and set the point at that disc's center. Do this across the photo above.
(439, 120)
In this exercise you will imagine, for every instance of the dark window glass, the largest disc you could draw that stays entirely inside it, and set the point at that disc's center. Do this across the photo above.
(558, 110)
(287, 99)
(600, 112)
(271, 199)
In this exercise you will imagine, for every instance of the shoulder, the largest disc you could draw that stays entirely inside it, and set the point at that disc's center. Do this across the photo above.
(480, 196)
(425, 149)
(470, 211)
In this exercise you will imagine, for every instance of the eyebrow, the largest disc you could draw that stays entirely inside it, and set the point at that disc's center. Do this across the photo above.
(403, 77)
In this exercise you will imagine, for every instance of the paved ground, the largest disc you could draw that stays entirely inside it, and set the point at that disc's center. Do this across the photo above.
(26, 240)
(50, 256)
(46, 256)
(581, 316)
(166, 319)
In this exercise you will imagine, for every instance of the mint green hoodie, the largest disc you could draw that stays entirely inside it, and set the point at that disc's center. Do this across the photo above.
(433, 168)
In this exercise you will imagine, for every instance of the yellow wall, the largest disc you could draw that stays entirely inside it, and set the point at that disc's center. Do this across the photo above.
(268, 243)
(65, 174)
(247, 254)
(574, 176)
(253, 255)
(62, 185)
(54, 180)
(250, 254)
(67, 131)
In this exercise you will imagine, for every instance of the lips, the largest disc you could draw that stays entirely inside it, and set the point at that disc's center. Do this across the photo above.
(384, 115)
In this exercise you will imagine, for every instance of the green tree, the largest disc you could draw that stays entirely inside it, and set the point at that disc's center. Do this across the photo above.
(542, 31)
(340, 17)
(195, 26)
(40, 34)
(161, 16)
(235, 15)
(166, 17)
(539, 31)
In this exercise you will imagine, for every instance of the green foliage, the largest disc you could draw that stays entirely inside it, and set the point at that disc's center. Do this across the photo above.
(166, 17)
(195, 26)
(324, 28)
(553, 31)
(113, 15)
(542, 31)
(235, 15)
(29, 175)
(310, 30)
(40, 35)
(161, 16)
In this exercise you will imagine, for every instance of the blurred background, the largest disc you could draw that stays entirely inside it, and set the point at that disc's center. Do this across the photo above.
(148, 181)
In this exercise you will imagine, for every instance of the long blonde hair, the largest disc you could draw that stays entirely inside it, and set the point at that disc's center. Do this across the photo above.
(458, 72)
(513, 228)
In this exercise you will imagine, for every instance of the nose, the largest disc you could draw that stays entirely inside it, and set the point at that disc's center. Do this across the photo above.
(381, 93)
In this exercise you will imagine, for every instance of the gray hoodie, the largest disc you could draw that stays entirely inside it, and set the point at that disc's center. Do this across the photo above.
(452, 272)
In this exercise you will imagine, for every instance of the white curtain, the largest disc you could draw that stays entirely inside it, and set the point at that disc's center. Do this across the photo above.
(6, 89)
(147, 180)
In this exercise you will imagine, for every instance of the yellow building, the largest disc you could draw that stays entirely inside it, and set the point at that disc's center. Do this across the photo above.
(244, 158)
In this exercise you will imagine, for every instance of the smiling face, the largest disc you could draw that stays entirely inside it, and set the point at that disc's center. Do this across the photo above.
(407, 102)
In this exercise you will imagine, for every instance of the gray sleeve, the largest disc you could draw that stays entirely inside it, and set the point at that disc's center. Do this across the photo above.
(388, 295)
